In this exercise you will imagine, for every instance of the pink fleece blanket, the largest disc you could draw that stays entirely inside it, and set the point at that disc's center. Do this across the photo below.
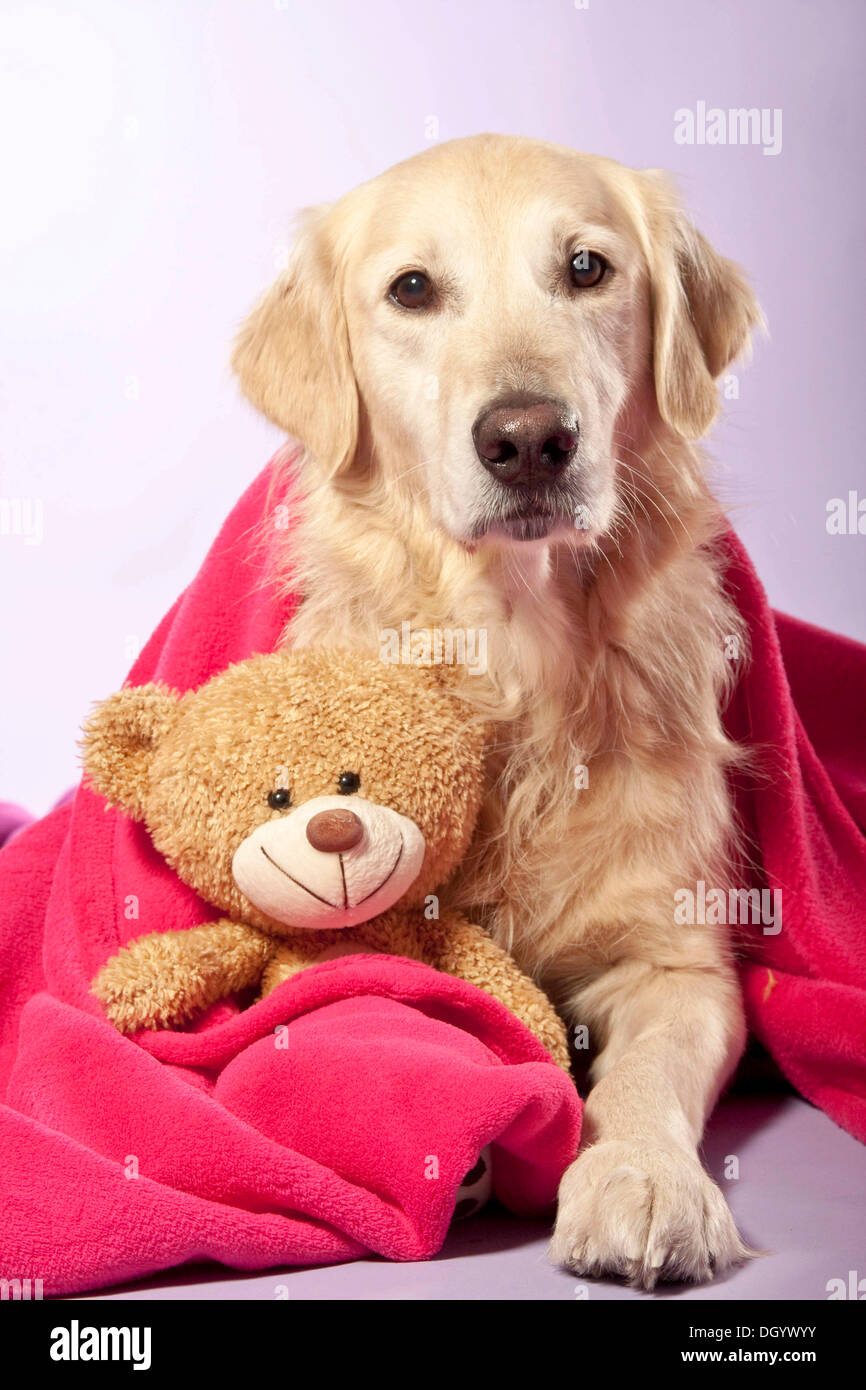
(802, 705)
(334, 1119)
(338, 1116)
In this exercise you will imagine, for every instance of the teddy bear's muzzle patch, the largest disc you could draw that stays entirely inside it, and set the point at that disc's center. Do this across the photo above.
(324, 865)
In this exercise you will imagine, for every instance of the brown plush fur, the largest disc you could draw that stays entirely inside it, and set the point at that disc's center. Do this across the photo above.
(198, 769)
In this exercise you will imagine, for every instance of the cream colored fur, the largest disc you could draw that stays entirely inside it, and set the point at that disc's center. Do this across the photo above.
(607, 645)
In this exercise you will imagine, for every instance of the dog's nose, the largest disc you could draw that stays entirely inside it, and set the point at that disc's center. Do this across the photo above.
(526, 439)
(334, 831)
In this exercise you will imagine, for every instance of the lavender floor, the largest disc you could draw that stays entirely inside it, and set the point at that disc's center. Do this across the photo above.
(801, 1194)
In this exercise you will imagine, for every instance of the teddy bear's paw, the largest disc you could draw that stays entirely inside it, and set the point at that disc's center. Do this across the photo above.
(644, 1214)
(133, 999)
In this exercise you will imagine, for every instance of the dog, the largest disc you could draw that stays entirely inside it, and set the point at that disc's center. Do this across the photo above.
(497, 357)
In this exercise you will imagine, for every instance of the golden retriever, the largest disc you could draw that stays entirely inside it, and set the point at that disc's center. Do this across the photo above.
(495, 356)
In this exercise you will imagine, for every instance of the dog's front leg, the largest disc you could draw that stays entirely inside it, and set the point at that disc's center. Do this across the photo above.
(637, 1202)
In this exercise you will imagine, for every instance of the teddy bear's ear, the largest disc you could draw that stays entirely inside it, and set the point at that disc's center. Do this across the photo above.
(120, 739)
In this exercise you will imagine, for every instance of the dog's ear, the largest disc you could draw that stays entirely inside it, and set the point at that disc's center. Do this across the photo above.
(120, 739)
(703, 311)
(292, 355)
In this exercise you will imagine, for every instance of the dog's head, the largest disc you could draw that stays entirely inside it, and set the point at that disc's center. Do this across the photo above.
(491, 325)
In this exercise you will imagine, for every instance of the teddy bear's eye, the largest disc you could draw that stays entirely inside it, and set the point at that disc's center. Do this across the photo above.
(348, 782)
(281, 798)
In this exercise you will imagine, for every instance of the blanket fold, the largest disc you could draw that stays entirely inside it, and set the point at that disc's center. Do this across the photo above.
(338, 1116)
(335, 1118)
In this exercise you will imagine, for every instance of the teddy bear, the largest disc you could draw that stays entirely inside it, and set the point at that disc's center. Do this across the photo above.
(319, 801)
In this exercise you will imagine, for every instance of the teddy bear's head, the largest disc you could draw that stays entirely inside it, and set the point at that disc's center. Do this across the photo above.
(300, 788)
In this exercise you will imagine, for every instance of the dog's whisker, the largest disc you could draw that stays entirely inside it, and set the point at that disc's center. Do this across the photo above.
(650, 483)
(664, 515)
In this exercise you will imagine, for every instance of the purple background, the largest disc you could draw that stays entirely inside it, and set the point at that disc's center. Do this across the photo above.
(151, 158)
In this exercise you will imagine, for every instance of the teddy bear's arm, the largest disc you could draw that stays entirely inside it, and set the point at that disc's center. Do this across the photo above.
(295, 953)
(459, 947)
(165, 978)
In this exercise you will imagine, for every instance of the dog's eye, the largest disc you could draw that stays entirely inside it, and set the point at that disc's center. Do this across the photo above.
(412, 291)
(587, 269)
(281, 798)
(348, 782)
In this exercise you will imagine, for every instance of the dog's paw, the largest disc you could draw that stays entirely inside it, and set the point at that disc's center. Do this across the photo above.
(644, 1214)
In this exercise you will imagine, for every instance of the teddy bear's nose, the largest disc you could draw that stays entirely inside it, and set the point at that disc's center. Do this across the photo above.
(334, 831)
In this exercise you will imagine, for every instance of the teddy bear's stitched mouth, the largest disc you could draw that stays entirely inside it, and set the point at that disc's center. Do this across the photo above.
(327, 902)
(297, 881)
(389, 874)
